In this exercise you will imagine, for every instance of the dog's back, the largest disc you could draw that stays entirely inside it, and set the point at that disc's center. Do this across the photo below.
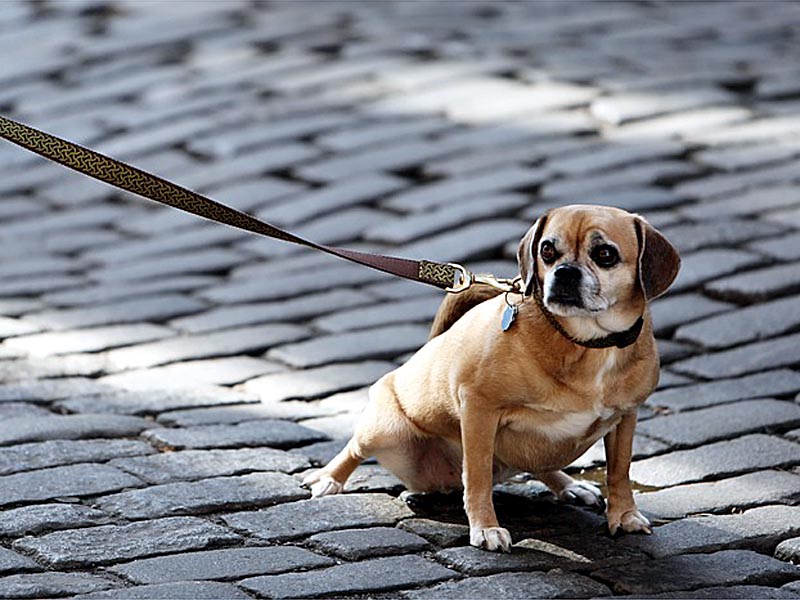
(454, 306)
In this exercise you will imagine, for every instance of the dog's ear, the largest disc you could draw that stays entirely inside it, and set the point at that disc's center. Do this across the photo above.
(659, 262)
(528, 251)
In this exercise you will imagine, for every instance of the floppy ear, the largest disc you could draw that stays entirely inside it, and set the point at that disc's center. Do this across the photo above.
(659, 262)
(528, 251)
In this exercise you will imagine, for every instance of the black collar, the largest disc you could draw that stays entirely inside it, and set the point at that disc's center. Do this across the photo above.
(620, 339)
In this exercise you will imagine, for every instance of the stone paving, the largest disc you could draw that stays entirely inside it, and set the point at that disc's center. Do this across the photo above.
(165, 382)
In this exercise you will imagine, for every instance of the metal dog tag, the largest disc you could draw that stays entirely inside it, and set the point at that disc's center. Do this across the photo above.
(509, 314)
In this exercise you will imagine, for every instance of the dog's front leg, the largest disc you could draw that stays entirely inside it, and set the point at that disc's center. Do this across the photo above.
(478, 432)
(621, 508)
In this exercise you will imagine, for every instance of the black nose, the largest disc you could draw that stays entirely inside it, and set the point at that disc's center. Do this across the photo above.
(567, 274)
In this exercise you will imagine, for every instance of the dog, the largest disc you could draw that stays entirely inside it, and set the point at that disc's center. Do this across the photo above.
(570, 364)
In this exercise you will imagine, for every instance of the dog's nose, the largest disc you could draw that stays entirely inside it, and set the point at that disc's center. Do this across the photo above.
(567, 274)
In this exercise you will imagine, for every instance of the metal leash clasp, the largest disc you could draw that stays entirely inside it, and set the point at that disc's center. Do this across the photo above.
(466, 279)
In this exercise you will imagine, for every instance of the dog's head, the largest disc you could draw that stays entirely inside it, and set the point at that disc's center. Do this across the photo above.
(589, 260)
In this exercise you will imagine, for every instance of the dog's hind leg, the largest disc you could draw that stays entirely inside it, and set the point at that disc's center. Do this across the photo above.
(381, 428)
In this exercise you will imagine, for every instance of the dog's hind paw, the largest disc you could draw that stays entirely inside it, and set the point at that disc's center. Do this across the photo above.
(322, 485)
(583, 493)
(493, 539)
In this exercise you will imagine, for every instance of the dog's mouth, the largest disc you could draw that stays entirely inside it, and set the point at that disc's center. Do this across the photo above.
(564, 299)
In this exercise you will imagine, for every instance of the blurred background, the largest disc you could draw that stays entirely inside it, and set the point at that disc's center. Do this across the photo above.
(436, 130)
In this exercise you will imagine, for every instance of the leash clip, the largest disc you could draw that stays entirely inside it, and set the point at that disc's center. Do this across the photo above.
(466, 279)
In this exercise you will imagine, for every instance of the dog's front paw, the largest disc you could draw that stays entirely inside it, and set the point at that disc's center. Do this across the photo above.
(582, 492)
(631, 521)
(490, 538)
(322, 485)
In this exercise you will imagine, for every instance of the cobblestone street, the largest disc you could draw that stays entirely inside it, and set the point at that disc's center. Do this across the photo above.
(165, 382)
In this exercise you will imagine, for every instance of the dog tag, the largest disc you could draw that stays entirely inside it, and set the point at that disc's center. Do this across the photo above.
(509, 314)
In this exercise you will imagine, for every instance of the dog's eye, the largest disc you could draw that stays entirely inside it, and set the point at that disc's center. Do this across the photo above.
(605, 256)
(548, 252)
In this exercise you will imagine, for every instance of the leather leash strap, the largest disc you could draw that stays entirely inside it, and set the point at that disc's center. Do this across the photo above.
(448, 276)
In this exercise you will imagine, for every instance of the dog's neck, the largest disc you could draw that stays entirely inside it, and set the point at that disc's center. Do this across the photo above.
(605, 331)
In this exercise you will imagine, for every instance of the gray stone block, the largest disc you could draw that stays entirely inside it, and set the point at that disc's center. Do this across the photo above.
(758, 356)
(728, 567)
(744, 491)
(474, 561)
(68, 427)
(705, 265)
(789, 550)
(207, 495)
(237, 413)
(31, 520)
(672, 311)
(51, 585)
(27, 457)
(782, 248)
(718, 422)
(151, 308)
(184, 590)
(306, 306)
(516, 585)
(298, 519)
(114, 543)
(470, 242)
(731, 457)
(46, 390)
(756, 529)
(415, 310)
(762, 284)
(75, 480)
(200, 464)
(11, 562)
(745, 592)
(87, 340)
(723, 233)
(745, 325)
(153, 400)
(768, 383)
(358, 544)
(436, 532)
(314, 383)
(273, 433)
(381, 574)
(376, 343)
(232, 563)
(222, 343)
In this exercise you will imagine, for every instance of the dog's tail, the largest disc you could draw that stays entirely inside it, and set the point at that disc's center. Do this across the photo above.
(454, 306)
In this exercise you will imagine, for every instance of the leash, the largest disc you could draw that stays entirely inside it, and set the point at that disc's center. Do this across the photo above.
(451, 277)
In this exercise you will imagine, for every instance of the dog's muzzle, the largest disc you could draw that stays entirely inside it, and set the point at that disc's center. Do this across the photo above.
(566, 286)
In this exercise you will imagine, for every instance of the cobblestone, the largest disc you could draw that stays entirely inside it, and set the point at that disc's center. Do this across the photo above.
(719, 422)
(274, 433)
(28, 457)
(743, 454)
(374, 575)
(31, 520)
(191, 464)
(11, 562)
(114, 543)
(789, 550)
(516, 585)
(231, 563)
(207, 495)
(752, 489)
(768, 383)
(68, 427)
(51, 584)
(170, 591)
(298, 519)
(74, 480)
(728, 567)
(359, 544)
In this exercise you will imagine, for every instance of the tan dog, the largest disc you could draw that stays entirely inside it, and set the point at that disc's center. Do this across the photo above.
(478, 403)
